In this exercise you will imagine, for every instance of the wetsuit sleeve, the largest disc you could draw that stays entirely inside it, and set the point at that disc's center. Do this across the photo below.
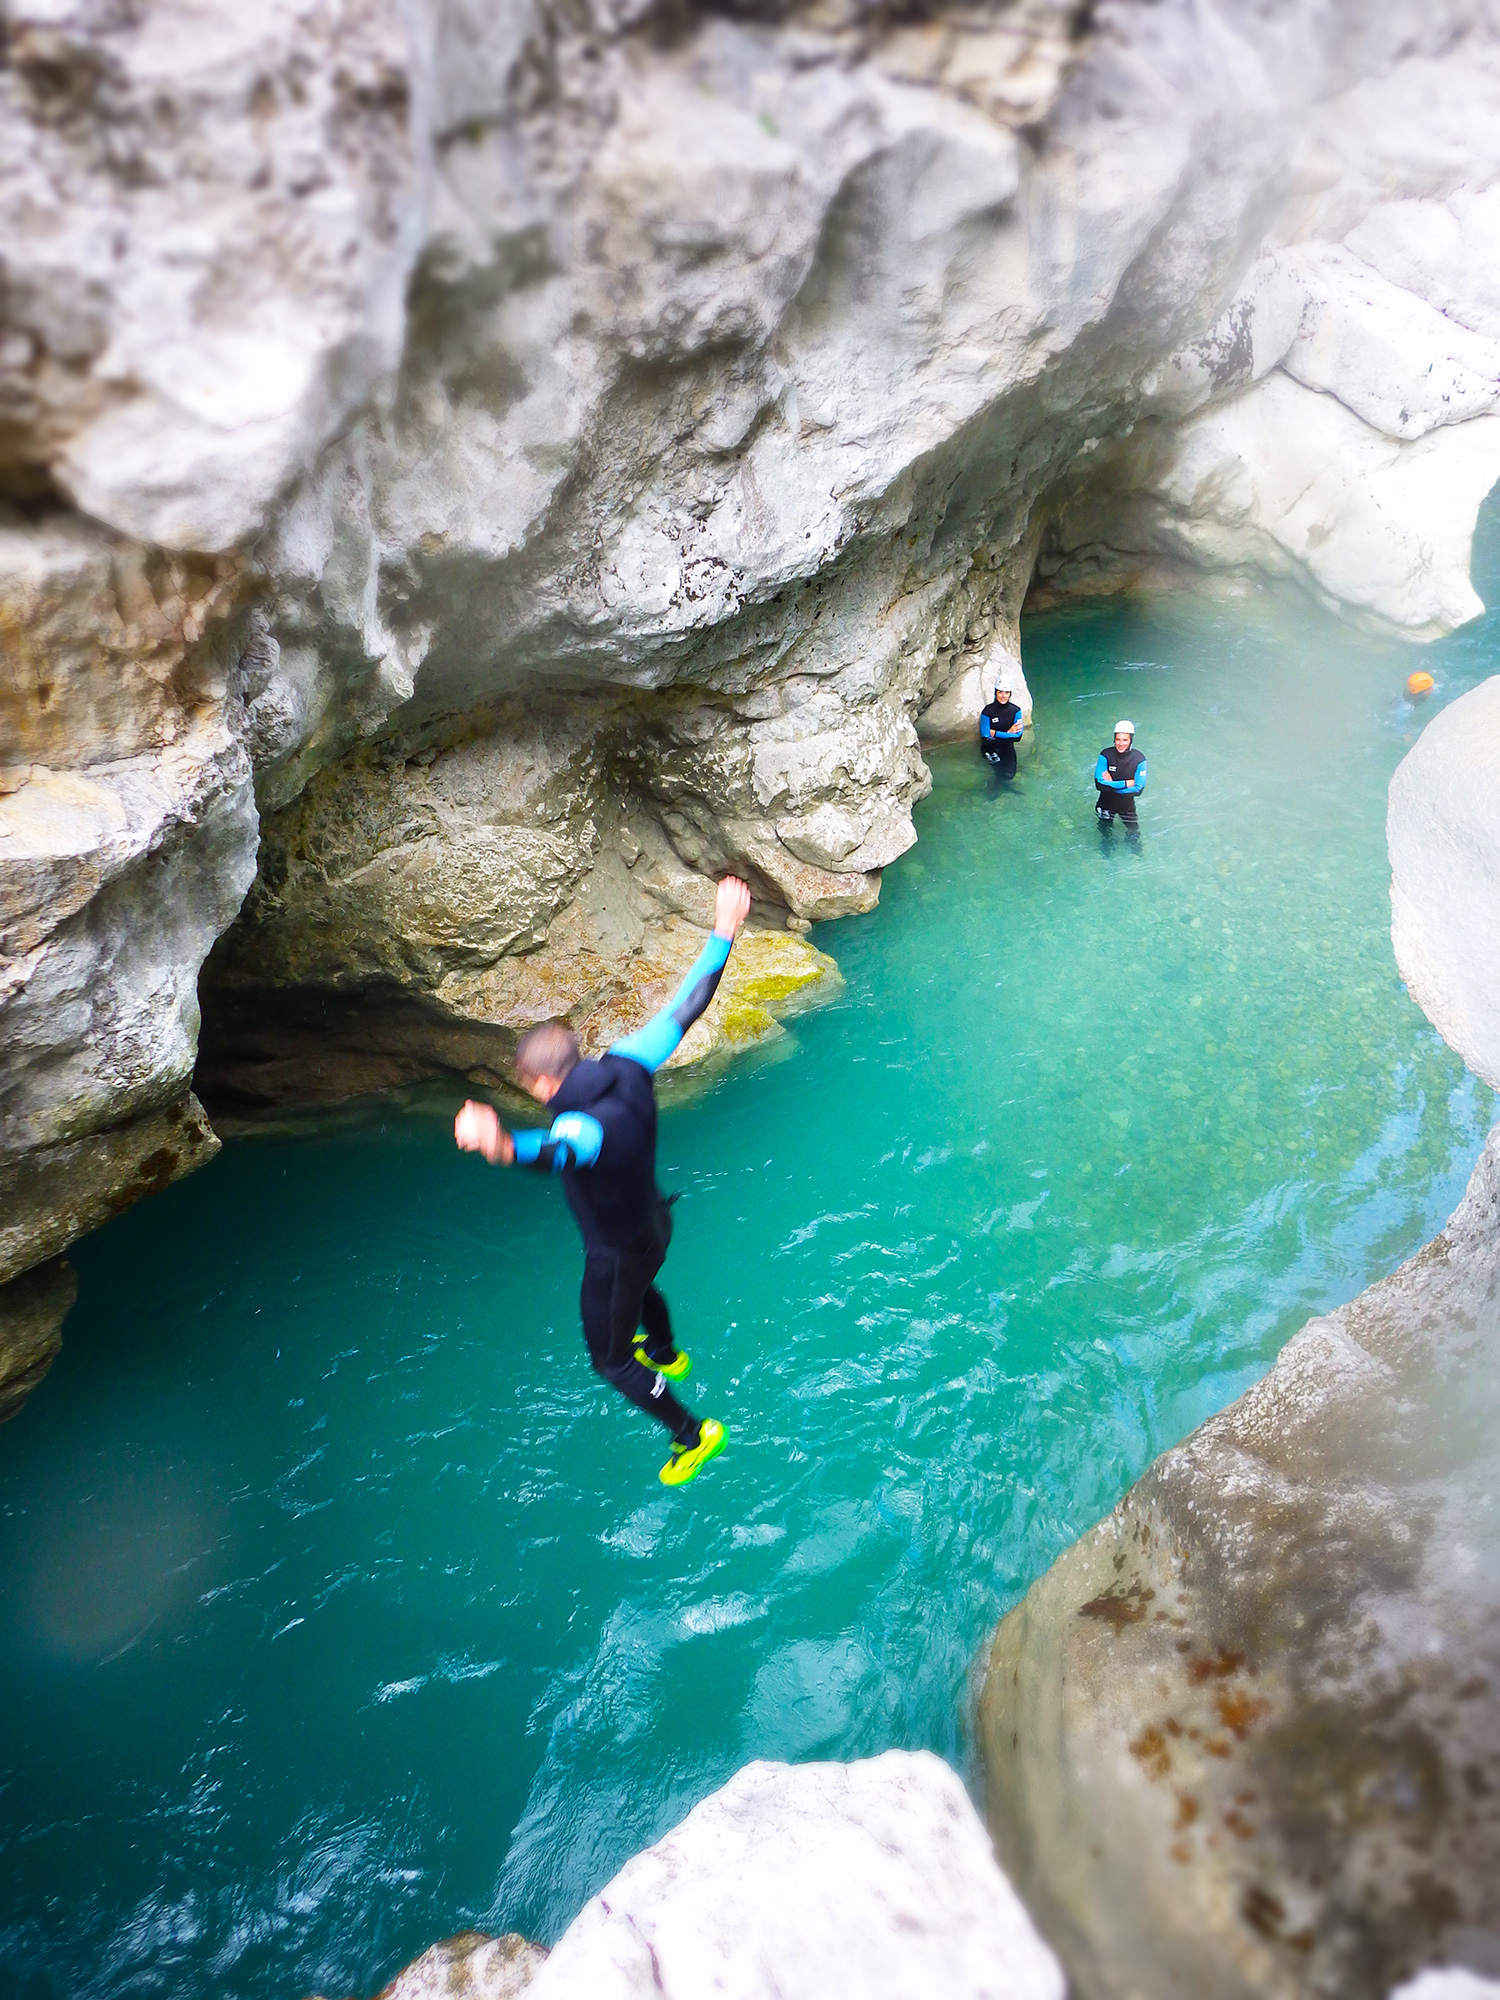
(1102, 777)
(1140, 776)
(650, 1046)
(1014, 735)
(573, 1140)
(984, 726)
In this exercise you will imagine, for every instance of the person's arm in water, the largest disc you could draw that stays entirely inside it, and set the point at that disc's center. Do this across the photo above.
(650, 1046)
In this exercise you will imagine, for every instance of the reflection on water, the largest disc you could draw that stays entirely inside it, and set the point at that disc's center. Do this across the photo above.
(341, 1606)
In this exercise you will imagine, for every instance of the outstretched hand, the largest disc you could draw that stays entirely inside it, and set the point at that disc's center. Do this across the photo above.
(478, 1130)
(731, 906)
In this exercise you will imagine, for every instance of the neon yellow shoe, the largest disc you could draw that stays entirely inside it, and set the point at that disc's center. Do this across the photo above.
(681, 1364)
(688, 1460)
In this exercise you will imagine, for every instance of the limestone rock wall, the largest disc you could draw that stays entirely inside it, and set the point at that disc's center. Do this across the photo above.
(1341, 423)
(474, 471)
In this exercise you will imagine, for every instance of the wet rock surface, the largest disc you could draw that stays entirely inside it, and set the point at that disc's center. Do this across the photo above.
(1244, 1737)
(32, 1310)
(471, 1966)
(793, 1882)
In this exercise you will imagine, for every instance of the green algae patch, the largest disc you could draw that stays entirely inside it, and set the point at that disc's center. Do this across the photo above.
(770, 975)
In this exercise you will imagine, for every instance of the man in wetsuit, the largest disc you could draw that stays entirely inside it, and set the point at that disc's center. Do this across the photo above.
(602, 1140)
(1000, 732)
(1119, 779)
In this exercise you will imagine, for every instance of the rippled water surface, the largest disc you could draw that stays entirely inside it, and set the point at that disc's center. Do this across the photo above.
(341, 1606)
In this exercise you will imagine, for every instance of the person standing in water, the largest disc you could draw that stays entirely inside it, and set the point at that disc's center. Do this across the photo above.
(1000, 732)
(602, 1141)
(1119, 779)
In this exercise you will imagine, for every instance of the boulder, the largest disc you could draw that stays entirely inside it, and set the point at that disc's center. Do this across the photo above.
(872, 1881)
(1443, 831)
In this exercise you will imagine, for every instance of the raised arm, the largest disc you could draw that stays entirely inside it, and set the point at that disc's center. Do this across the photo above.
(650, 1046)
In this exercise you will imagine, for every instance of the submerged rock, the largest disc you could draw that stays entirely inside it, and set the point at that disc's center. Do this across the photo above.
(470, 1966)
(872, 1881)
(1243, 1739)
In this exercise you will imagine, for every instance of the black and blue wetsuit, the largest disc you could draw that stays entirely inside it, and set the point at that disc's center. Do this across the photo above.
(1119, 779)
(602, 1141)
(999, 733)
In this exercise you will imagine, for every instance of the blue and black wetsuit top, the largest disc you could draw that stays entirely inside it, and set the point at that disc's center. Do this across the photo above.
(1119, 776)
(602, 1139)
(999, 722)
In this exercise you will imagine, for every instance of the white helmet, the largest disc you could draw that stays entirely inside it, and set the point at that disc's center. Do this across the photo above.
(1124, 729)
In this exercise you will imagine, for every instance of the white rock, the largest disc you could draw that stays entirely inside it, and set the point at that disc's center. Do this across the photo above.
(1443, 832)
(1392, 358)
(117, 881)
(1289, 480)
(1446, 252)
(1448, 1982)
(209, 214)
(872, 1881)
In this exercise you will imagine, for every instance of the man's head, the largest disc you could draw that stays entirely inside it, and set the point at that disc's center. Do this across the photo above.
(1124, 735)
(1002, 691)
(543, 1058)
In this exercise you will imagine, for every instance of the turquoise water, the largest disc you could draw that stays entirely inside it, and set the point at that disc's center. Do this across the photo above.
(341, 1606)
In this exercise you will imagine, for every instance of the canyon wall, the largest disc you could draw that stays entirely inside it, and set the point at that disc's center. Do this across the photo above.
(468, 473)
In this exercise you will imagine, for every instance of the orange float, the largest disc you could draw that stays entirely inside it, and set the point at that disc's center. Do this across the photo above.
(1419, 684)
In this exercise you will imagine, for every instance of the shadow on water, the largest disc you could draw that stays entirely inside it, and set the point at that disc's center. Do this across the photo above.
(342, 1607)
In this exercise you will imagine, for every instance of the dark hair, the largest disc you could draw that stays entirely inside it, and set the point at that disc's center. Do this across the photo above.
(550, 1050)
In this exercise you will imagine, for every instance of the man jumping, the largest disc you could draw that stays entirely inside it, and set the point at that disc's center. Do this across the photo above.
(602, 1141)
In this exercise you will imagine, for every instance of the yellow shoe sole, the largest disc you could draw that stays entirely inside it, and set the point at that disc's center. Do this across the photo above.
(674, 1370)
(685, 1465)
